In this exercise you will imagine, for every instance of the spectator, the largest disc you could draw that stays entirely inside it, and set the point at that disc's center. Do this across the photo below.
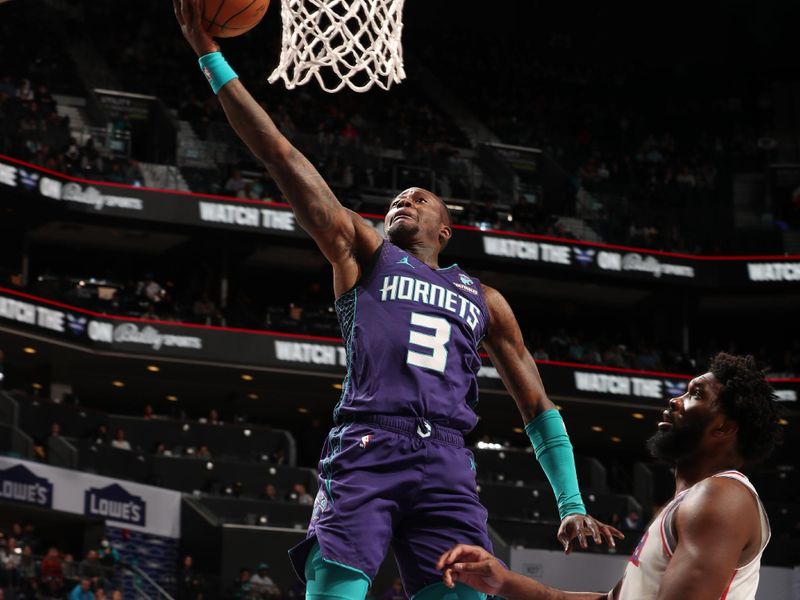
(235, 183)
(27, 571)
(92, 569)
(213, 417)
(632, 522)
(116, 595)
(242, 587)
(70, 571)
(300, 495)
(119, 440)
(51, 572)
(148, 412)
(82, 591)
(262, 585)
(108, 555)
(190, 583)
(203, 452)
(205, 311)
(101, 434)
(161, 449)
(270, 493)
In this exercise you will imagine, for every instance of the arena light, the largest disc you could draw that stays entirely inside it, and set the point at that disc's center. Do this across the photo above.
(29, 350)
(153, 368)
(252, 396)
(262, 520)
(172, 398)
(638, 416)
(783, 422)
(246, 377)
(518, 430)
(597, 428)
(118, 384)
(36, 386)
(336, 386)
(616, 439)
(247, 433)
(302, 410)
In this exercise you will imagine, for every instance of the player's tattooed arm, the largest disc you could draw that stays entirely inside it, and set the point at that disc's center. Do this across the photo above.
(512, 359)
(341, 234)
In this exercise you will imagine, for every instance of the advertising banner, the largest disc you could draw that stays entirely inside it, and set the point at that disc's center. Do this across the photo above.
(304, 353)
(120, 503)
(541, 255)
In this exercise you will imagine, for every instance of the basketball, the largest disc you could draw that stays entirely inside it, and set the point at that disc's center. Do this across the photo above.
(229, 18)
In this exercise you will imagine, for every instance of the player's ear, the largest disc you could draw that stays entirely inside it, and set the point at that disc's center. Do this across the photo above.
(445, 233)
(726, 428)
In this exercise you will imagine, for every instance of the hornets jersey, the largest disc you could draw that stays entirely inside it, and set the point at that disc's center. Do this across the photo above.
(411, 336)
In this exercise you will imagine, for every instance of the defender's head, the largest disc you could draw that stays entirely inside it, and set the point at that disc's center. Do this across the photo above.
(418, 216)
(729, 409)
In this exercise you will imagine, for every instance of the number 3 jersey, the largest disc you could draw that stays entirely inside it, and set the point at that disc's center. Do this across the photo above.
(411, 336)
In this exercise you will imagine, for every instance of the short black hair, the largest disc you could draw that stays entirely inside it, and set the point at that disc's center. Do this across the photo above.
(747, 398)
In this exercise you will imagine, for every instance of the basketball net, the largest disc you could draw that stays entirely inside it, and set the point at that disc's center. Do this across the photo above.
(353, 43)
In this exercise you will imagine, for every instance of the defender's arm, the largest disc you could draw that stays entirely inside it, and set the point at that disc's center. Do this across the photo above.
(716, 524)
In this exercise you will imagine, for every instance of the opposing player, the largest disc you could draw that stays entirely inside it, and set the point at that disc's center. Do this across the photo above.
(394, 468)
(706, 543)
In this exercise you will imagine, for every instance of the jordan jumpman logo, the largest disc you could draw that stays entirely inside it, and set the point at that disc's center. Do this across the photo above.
(404, 261)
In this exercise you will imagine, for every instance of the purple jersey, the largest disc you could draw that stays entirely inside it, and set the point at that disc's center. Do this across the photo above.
(412, 334)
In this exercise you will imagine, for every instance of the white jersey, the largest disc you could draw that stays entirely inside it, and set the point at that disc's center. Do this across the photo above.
(649, 561)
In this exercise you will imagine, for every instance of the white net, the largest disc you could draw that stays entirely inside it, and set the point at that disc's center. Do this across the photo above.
(353, 43)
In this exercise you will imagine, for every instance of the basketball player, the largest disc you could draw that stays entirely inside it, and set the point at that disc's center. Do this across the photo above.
(706, 543)
(394, 468)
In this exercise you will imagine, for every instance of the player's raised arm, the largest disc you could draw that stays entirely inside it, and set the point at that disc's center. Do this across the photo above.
(543, 423)
(341, 234)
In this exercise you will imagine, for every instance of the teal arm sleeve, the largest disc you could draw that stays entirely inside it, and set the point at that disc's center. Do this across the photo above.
(553, 450)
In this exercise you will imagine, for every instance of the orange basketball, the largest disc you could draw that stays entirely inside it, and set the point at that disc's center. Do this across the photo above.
(228, 18)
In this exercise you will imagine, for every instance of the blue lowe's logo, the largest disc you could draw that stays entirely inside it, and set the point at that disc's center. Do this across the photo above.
(674, 388)
(114, 503)
(585, 257)
(20, 484)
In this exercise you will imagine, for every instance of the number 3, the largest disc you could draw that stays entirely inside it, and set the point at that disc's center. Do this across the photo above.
(436, 360)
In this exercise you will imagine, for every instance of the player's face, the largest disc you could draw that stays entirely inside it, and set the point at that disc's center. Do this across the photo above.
(415, 215)
(686, 421)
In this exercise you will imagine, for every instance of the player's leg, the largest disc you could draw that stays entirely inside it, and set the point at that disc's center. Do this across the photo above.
(446, 512)
(329, 581)
(364, 475)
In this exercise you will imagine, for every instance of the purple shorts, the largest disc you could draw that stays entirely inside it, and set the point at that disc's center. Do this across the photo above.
(394, 481)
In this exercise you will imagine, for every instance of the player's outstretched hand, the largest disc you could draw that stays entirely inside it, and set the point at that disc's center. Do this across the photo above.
(584, 527)
(473, 566)
(188, 14)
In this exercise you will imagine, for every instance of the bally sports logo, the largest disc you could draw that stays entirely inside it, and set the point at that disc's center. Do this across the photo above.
(20, 484)
(114, 503)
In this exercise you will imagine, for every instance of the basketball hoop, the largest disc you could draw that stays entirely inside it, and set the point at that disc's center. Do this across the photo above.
(353, 43)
